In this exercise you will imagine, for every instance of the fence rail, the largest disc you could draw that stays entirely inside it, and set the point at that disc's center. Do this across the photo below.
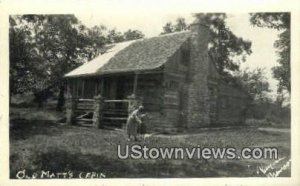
(117, 101)
(85, 100)
(114, 112)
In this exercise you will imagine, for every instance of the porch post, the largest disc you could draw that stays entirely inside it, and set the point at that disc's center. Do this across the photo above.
(96, 87)
(102, 86)
(82, 90)
(98, 111)
(77, 88)
(136, 75)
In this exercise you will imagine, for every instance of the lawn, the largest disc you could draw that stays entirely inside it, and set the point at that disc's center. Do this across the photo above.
(46, 146)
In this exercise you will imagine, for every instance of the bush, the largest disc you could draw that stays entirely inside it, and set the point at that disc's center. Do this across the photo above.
(268, 113)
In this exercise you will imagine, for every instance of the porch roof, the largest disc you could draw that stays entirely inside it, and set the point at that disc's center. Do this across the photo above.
(136, 55)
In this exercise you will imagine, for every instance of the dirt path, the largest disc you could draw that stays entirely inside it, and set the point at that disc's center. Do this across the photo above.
(269, 129)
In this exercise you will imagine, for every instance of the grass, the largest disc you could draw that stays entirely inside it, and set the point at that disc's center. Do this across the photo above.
(32, 114)
(45, 145)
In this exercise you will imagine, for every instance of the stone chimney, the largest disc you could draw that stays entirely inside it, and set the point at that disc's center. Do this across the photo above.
(197, 87)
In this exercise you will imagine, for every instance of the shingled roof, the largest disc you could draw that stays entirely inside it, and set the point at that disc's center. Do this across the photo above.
(137, 55)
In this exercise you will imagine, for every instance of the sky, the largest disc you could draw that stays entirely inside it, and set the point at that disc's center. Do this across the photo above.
(150, 24)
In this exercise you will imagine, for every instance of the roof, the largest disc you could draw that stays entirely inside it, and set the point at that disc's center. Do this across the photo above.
(136, 55)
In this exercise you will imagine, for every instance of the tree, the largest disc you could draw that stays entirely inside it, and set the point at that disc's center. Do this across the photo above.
(254, 82)
(45, 47)
(115, 36)
(168, 28)
(49, 46)
(19, 54)
(133, 34)
(281, 22)
(96, 37)
(179, 26)
(226, 49)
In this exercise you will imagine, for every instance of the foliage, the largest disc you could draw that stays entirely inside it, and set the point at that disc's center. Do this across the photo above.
(97, 39)
(20, 49)
(226, 49)
(45, 47)
(281, 22)
(50, 46)
(262, 106)
(254, 82)
(272, 113)
(115, 36)
(179, 26)
(133, 34)
(168, 28)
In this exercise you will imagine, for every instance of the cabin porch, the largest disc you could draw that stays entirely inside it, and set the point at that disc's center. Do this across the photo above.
(106, 101)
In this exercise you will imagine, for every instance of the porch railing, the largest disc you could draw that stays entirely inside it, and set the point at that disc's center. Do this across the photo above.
(115, 112)
(85, 105)
(98, 111)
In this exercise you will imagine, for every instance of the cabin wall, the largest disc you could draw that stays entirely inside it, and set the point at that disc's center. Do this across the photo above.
(150, 91)
(193, 93)
(174, 91)
(232, 105)
(227, 103)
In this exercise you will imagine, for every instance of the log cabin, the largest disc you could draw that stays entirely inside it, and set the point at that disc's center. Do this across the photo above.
(171, 75)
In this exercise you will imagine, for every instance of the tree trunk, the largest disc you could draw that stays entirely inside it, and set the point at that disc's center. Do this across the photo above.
(39, 98)
(40, 103)
(61, 98)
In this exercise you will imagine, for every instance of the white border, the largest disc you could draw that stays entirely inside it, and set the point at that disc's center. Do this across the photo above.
(154, 6)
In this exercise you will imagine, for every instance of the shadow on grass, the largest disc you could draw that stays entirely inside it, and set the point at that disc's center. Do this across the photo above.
(22, 129)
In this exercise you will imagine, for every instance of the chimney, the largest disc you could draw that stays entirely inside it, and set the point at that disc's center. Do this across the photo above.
(197, 104)
(200, 26)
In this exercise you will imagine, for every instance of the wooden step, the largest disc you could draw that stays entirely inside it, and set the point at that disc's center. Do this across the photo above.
(86, 125)
(115, 115)
(114, 112)
(115, 109)
(85, 105)
(86, 100)
(85, 108)
(115, 118)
